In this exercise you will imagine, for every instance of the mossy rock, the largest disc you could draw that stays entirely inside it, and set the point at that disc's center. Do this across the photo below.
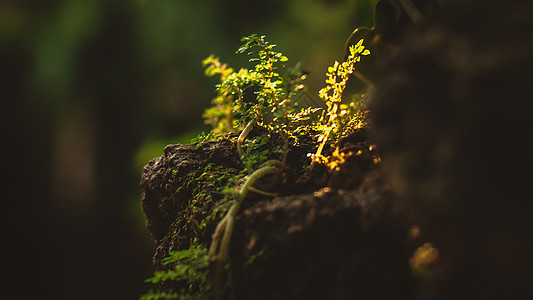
(328, 233)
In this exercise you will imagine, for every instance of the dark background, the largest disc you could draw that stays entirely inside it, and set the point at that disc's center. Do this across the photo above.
(91, 91)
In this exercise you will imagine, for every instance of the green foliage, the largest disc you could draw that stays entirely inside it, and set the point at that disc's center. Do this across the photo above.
(205, 137)
(340, 119)
(160, 295)
(276, 97)
(190, 267)
(211, 179)
(256, 152)
(272, 105)
(276, 94)
(220, 115)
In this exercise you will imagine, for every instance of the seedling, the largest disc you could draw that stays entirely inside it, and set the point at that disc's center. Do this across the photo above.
(339, 118)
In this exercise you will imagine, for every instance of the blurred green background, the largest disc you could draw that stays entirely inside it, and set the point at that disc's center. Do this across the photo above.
(92, 90)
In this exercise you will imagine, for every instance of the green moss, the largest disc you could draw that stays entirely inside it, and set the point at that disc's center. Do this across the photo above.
(188, 266)
(184, 272)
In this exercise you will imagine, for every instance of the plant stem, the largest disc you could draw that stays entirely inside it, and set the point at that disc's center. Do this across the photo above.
(332, 116)
(243, 135)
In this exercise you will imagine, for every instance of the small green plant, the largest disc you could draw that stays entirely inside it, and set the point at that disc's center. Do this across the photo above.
(339, 119)
(220, 115)
(205, 137)
(231, 112)
(189, 267)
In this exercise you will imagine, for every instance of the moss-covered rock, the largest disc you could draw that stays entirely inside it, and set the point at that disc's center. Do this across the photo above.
(328, 234)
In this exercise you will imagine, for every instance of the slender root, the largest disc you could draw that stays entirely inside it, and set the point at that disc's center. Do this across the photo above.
(221, 226)
(257, 191)
(253, 178)
(243, 135)
(225, 227)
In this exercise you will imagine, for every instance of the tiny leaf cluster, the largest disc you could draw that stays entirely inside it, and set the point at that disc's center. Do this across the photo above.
(273, 84)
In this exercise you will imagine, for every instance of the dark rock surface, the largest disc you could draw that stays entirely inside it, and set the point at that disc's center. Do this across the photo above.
(164, 197)
(317, 243)
(324, 245)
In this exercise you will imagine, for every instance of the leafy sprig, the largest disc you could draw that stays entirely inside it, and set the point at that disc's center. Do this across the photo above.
(190, 267)
(339, 117)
